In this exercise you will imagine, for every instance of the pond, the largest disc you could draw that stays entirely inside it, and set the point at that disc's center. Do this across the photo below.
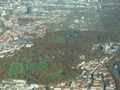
(76, 34)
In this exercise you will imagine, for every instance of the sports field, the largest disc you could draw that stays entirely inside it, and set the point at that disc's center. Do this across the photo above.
(15, 69)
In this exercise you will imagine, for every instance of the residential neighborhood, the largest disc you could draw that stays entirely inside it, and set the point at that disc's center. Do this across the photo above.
(93, 77)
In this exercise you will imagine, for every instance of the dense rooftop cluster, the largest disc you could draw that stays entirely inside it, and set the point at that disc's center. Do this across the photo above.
(93, 77)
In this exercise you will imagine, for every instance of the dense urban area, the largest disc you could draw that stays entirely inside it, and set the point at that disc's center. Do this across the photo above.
(59, 44)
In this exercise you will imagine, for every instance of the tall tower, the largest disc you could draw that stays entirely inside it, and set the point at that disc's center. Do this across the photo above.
(29, 10)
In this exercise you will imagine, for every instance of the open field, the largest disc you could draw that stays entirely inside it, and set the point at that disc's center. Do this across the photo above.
(43, 59)
(57, 75)
(15, 69)
(59, 40)
(36, 66)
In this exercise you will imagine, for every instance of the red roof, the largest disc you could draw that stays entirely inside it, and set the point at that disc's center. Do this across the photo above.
(52, 84)
(77, 82)
(67, 88)
(83, 87)
(58, 87)
(75, 88)
(65, 81)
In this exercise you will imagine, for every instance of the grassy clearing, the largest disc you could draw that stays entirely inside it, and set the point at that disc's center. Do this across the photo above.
(15, 69)
(36, 66)
(59, 40)
(30, 59)
(43, 59)
(57, 75)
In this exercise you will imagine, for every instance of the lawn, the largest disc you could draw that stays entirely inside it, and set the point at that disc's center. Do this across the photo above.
(36, 66)
(30, 59)
(15, 69)
(57, 75)
(59, 40)
(44, 59)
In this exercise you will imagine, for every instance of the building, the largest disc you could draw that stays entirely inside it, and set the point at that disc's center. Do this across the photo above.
(95, 46)
(82, 57)
(106, 47)
(13, 81)
(1, 55)
(29, 10)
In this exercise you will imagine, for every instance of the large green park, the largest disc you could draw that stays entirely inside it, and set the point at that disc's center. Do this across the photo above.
(46, 61)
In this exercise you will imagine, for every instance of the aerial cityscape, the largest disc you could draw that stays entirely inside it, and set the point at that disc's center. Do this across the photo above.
(59, 44)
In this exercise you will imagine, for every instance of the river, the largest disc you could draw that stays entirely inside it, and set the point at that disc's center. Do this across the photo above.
(115, 69)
